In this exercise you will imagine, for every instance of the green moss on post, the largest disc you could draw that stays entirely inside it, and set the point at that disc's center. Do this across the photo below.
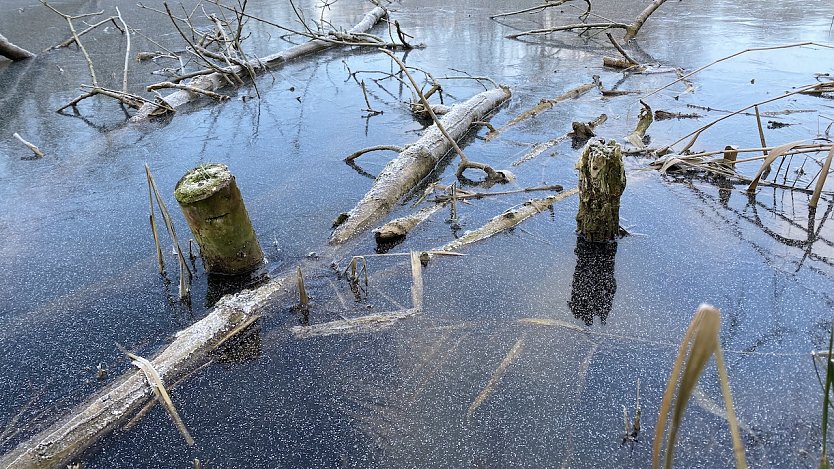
(212, 205)
(601, 183)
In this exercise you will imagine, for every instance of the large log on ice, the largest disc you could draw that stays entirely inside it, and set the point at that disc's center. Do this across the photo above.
(414, 163)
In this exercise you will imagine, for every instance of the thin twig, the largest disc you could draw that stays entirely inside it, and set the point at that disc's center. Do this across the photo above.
(37, 151)
(361, 152)
(71, 39)
(127, 49)
(736, 54)
(697, 132)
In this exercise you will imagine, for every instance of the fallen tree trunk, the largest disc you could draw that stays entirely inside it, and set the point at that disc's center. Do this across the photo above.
(115, 404)
(414, 163)
(216, 80)
(13, 52)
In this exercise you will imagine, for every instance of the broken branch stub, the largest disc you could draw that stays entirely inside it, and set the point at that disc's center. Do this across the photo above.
(414, 163)
(601, 183)
(211, 202)
(13, 52)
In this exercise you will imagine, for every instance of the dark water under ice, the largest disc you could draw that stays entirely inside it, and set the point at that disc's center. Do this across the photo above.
(80, 273)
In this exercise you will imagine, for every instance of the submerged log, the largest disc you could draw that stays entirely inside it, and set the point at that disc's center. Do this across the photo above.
(212, 205)
(13, 52)
(216, 80)
(507, 220)
(114, 405)
(362, 324)
(415, 163)
(601, 183)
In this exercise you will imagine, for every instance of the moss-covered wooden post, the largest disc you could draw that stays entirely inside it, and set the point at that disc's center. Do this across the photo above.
(212, 205)
(601, 183)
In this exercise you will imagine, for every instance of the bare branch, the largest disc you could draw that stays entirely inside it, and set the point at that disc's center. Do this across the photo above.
(37, 151)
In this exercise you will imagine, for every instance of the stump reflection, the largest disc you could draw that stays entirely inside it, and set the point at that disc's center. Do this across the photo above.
(594, 285)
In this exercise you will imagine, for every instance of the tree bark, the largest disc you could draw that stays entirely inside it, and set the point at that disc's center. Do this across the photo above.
(601, 183)
(13, 52)
(212, 205)
(215, 81)
(415, 163)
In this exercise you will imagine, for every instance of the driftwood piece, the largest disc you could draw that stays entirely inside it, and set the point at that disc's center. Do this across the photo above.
(13, 52)
(399, 227)
(601, 183)
(114, 405)
(507, 220)
(414, 163)
(214, 81)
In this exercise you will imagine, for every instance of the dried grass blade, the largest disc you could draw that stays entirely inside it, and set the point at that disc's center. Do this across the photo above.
(666, 403)
(552, 323)
(185, 272)
(723, 377)
(704, 343)
(155, 382)
(771, 157)
(362, 324)
(159, 259)
(821, 179)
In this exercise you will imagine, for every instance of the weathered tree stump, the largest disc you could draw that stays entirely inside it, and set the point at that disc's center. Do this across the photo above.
(601, 183)
(212, 205)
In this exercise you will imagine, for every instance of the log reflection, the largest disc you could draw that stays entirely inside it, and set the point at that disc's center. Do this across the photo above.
(594, 285)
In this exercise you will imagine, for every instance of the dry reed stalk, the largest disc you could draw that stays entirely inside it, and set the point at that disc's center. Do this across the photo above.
(821, 179)
(697, 132)
(736, 54)
(699, 344)
(776, 152)
(158, 387)
(160, 261)
(185, 272)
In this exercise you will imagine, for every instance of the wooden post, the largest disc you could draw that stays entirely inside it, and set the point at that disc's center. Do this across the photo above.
(601, 183)
(212, 205)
